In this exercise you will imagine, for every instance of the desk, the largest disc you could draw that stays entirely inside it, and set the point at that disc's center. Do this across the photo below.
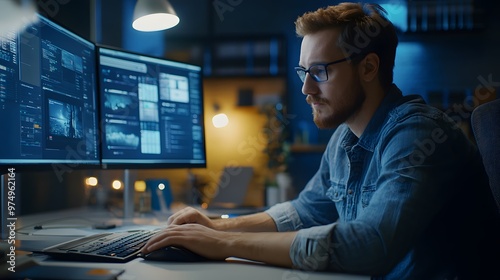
(139, 269)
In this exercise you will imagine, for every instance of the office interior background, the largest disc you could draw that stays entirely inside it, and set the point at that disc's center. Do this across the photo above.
(448, 53)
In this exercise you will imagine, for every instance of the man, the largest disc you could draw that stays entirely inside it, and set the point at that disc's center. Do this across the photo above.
(397, 190)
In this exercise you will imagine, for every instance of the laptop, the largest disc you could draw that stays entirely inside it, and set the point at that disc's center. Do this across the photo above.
(232, 187)
(231, 192)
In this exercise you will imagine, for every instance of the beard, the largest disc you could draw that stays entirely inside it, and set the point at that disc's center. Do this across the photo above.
(339, 109)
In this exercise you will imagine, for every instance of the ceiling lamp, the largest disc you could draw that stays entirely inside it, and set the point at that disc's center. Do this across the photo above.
(154, 15)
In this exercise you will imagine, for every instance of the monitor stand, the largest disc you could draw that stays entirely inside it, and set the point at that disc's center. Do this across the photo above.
(128, 194)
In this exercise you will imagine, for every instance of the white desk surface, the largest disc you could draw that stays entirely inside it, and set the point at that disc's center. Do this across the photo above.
(140, 269)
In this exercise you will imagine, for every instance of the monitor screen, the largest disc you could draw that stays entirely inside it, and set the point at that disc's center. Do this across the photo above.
(48, 99)
(151, 111)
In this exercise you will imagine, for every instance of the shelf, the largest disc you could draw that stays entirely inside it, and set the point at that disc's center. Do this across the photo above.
(257, 56)
(307, 148)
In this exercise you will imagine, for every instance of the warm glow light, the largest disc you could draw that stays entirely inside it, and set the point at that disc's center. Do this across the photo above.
(161, 186)
(140, 186)
(155, 22)
(91, 181)
(116, 184)
(220, 120)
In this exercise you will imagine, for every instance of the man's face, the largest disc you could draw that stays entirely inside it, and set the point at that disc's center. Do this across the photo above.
(338, 99)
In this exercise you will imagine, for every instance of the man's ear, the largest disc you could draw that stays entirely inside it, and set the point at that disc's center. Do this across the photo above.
(368, 67)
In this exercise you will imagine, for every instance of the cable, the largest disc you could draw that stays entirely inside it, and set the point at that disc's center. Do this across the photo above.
(46, 225)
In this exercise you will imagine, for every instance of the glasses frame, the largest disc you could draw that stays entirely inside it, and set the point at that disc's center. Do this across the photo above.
(325, 66)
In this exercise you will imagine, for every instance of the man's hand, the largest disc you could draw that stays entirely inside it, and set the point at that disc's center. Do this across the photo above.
(251, 237)
(269, 247)
(190, 215)
(258, 222)
(197, 238)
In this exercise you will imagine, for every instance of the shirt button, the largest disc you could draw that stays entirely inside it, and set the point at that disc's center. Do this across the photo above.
(349, 191)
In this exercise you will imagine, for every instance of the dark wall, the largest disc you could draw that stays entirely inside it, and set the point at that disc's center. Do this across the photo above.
(74, 15)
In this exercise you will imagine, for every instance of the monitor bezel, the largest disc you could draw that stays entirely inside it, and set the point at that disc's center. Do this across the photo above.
(148, 165)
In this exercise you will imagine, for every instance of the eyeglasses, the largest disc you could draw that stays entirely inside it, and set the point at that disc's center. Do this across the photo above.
(319, 72)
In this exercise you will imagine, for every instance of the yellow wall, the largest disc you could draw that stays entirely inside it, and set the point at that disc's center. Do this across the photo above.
(242, 142)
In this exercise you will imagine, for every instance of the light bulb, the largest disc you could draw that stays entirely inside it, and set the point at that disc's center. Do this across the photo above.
(155, 22)
(91, 181)
(220, 120)
(116, 184)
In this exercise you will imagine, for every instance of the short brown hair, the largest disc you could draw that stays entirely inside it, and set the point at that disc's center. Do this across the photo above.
(364, 29)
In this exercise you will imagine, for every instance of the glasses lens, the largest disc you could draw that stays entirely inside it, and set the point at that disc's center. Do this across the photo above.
(319, 73)
(301, 73)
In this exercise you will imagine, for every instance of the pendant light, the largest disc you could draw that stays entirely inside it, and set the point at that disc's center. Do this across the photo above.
(154, 15)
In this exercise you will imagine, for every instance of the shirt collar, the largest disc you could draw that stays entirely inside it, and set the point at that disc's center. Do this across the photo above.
(369, 138)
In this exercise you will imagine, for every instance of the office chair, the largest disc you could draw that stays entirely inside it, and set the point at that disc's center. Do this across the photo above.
(486, 128)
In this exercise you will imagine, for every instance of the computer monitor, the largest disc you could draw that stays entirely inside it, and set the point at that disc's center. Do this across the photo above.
(48, 99)
(151, 111)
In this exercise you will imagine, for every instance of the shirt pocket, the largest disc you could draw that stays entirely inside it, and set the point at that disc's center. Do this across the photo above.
(336, 192)
(366, 194)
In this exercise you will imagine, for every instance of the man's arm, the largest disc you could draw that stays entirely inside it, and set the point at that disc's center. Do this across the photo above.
(268, 247)
(259, 222)
(252, 237)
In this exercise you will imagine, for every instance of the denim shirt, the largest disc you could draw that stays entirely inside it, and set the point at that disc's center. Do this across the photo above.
(380, 205)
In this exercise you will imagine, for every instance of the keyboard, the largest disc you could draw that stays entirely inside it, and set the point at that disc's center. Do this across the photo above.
(115, 247)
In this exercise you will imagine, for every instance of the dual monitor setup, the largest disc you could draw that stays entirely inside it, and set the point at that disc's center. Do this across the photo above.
(68, 103)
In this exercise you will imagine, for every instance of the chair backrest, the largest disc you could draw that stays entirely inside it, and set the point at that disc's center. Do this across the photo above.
(486, 127)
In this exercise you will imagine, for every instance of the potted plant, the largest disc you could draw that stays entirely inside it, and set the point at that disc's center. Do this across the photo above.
(278, 183)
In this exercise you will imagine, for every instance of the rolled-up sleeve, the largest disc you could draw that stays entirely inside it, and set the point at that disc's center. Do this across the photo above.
(285, 216)
(311, 248)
